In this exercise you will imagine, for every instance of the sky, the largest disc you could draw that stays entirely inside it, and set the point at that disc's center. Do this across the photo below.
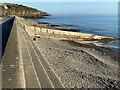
(75, 7)
(59, 0)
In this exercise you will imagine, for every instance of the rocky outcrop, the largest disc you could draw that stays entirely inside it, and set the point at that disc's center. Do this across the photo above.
(21, 11)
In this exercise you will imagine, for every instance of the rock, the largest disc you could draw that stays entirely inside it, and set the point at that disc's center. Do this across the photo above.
(66, 29)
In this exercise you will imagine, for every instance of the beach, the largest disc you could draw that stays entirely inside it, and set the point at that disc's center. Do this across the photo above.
(80, 65)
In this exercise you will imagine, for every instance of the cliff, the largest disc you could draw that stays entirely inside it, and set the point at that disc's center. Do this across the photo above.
(21, 11)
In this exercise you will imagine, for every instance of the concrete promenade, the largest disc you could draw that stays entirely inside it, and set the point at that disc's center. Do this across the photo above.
(23, 65)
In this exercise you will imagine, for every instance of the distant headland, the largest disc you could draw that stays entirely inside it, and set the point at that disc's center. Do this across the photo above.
(24, 11)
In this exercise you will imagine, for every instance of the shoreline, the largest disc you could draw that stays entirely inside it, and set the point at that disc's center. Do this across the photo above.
(31, 22)
(108, 45)
(66, 38)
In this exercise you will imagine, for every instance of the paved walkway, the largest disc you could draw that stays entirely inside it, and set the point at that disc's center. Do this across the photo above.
(33, 69)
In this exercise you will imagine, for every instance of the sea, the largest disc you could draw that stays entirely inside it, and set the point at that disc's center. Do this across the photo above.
(99, 24)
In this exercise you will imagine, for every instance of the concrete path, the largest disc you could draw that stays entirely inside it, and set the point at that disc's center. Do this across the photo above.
(23, 65)
(37, 71)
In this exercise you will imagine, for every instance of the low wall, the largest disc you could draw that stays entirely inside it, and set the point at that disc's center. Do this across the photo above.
(36, 30)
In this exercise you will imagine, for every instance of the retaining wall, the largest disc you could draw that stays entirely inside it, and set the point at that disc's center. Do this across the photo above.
(36, 30)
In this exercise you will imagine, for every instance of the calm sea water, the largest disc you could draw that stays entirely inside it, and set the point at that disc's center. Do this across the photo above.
(94, 24)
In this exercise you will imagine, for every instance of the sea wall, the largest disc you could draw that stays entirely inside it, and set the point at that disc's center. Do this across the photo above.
(11, 60)
(32, 30)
